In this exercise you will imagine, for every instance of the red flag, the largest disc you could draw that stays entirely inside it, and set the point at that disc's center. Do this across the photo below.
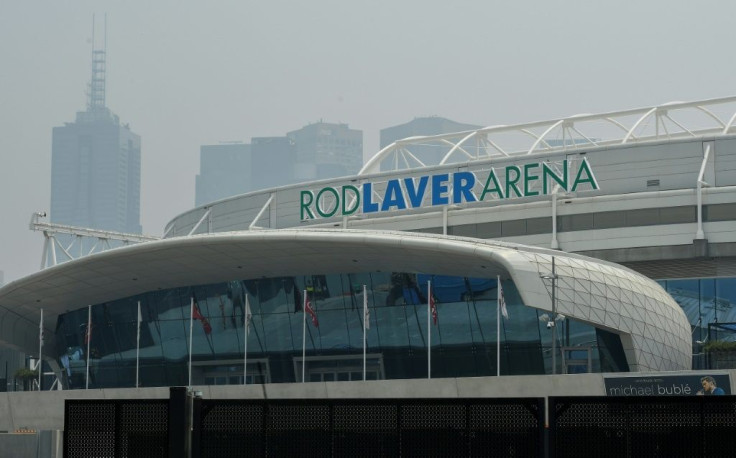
(198, 316)
(433, 308)
(311, 312)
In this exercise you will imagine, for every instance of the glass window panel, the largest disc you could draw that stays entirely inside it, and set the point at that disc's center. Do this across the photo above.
(642, 217)
(581, 222)
(719, 212)
(687, 294)
(489, 230)
(725, 292)
(539, 225)
(677, 215)
(464, 230)
(463, 342)
(608, 220)
(513, 228)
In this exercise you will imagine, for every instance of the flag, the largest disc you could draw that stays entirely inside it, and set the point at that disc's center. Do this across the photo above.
(88, 333)
(40, 330)
(502, 301)
(198, 316)
(311, 311)
(248, 315)
(366, 312)
(433, 308)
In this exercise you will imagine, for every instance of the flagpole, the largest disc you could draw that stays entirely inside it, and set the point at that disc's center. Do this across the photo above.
(89, 339)
(40, 349)
(498, 326)
(191, 323)
(429, 329)
(304, 334)
(138, 347)
(365, 328)
(246, 323)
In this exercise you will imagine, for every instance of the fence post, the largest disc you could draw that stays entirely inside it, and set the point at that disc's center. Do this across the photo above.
(178, 422)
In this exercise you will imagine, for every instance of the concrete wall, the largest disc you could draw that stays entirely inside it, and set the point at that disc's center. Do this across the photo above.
(45, 410)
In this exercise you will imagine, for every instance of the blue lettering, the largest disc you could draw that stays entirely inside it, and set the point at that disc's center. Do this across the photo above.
(416, 195)
(368, 205)
(462, 187)
(439, 187)
(393, 197)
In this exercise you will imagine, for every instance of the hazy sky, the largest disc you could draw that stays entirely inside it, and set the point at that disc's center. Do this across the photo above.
(186, 73)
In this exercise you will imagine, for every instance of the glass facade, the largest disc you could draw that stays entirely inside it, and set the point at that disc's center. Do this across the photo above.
(463, 343)
(709, 306)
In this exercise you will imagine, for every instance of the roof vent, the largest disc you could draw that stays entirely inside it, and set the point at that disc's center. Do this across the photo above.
(651, 183)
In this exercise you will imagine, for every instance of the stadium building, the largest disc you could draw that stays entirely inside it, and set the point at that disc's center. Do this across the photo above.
(588, 222)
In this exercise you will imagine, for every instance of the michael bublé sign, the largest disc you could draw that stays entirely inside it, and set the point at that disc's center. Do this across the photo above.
(669, 385)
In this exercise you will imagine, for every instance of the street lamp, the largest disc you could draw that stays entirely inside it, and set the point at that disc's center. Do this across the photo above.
(551, 322)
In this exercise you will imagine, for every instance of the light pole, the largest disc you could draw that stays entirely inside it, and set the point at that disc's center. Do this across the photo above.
(552, 322)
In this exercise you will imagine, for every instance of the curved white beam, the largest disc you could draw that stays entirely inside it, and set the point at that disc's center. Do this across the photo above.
(546, 132)
(615, 118)
(457, 146)
(637, 123)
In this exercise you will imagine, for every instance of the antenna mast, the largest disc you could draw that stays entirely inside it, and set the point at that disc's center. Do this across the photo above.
(97, 83)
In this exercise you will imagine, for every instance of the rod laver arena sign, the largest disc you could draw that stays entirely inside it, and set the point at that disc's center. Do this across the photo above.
(446, 188)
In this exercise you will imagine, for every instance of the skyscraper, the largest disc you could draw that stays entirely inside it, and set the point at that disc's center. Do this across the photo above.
(326, 150)
(224, 171)
(316, 151)
(96, 165)
(431, 125)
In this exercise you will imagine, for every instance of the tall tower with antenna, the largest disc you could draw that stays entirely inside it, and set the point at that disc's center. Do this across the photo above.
(96, 97)
(96, 161)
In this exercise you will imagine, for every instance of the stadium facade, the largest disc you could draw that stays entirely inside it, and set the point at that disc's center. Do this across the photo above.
(586, 229)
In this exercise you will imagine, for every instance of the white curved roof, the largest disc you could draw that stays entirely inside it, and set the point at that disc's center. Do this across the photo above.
(663, 122)
(653, 328)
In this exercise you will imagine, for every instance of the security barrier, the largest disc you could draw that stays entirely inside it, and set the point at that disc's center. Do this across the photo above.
(119, 428)
(661, 426)
(376, 427)
(578, 427)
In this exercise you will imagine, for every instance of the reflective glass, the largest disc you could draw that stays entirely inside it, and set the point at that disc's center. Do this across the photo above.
(211, 320)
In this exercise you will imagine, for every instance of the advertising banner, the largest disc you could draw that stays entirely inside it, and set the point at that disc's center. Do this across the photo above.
(669, 385)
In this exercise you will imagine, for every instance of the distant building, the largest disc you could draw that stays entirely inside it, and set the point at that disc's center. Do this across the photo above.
(314, 152)
(327, 150)
(96, 166)
(432, 125)
(224, 171)
(273, 161)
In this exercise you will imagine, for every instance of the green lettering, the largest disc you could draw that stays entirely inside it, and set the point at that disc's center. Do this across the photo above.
(548, 172)
(511, 181)
(332, 191)
(496, 186)
(305, 205)
(590, 178)
(346, 211)
(529, 178)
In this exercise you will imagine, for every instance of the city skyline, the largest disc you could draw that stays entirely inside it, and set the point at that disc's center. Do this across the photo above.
(185, 75)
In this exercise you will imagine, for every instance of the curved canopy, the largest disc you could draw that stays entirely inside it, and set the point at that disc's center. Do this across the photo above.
(654, 330)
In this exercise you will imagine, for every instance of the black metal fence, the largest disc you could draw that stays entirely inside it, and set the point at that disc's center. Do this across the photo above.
(578, 427)
(116, 428)
(662, 426)
(378, 427)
